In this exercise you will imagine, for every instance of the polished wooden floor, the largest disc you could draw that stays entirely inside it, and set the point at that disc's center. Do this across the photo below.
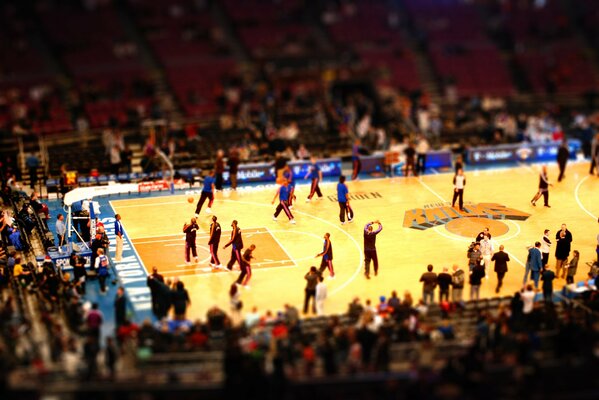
(285, 252)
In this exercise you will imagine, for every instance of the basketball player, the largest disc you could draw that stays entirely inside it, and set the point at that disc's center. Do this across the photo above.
(355, 158)
(190, 231)
(288, 174)
(283, 194)
(236, 243)
(543, 188)
(246, 268)
(344, 207)
(315, 174)
(459, 181)
(213, 243)
(327, 256)
(370, 247)
(207, 193)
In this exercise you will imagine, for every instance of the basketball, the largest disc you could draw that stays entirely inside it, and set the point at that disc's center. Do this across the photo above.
(190, 199)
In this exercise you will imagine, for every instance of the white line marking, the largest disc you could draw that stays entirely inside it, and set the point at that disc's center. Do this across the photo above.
(431, 190)
(280, 245)
(180, 235)
(226, 272)
(578, 198)
(152, 204)
(434, 171)
(358, 268)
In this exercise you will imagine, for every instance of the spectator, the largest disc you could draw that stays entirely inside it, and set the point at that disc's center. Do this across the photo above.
(534, 264)
(154, 288)
(61, 230)
(93, 322)
(476, 276)
(528, 299)
(233, 163)
(429, 282)
(235, 302)
(457, 283)
(102, 265)
(394, 302)
(312, 278)
(474, 256)
(563, 239)
(572, 267)
(110, 357)
(321, 295)
(180, 300)
(501, 259)
(547, 278)
(120, 307)
(22, 275)
(32, 163)
(444, 280)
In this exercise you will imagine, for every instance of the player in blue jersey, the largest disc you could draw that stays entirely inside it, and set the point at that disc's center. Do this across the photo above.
(207, 193)
(288, 174)
(315, 174)
(327, 256)
(283, 195)
(343, 199)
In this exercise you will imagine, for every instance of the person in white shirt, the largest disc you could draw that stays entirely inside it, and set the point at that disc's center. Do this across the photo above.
(61, 230)
(486, 249)
(321, 295)
(545, 247)
(528, 299)
(115, 159)
(459, 181)
(422, 147)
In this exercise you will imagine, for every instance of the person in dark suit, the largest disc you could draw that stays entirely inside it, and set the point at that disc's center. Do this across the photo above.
(501, 259)
(155, 291)
(120, 307)
(476, 277)
(180, 300)
(562, 159)
(563, 239)
(534, 264)
(444, 282)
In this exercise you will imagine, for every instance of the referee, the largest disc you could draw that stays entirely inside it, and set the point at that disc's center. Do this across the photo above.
(370, 247)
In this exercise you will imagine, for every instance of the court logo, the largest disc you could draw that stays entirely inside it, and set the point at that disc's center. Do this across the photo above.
(440, 214)
(359, 196)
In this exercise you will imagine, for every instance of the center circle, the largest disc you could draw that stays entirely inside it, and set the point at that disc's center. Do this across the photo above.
(472, 226)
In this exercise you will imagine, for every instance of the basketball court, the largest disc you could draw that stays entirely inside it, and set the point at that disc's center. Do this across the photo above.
(419, 227)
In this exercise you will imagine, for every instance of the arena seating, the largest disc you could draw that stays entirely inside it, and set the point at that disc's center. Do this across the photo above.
(28, 92)
(104, 62)
(459, 48)
(367, 30)
(547, 49)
